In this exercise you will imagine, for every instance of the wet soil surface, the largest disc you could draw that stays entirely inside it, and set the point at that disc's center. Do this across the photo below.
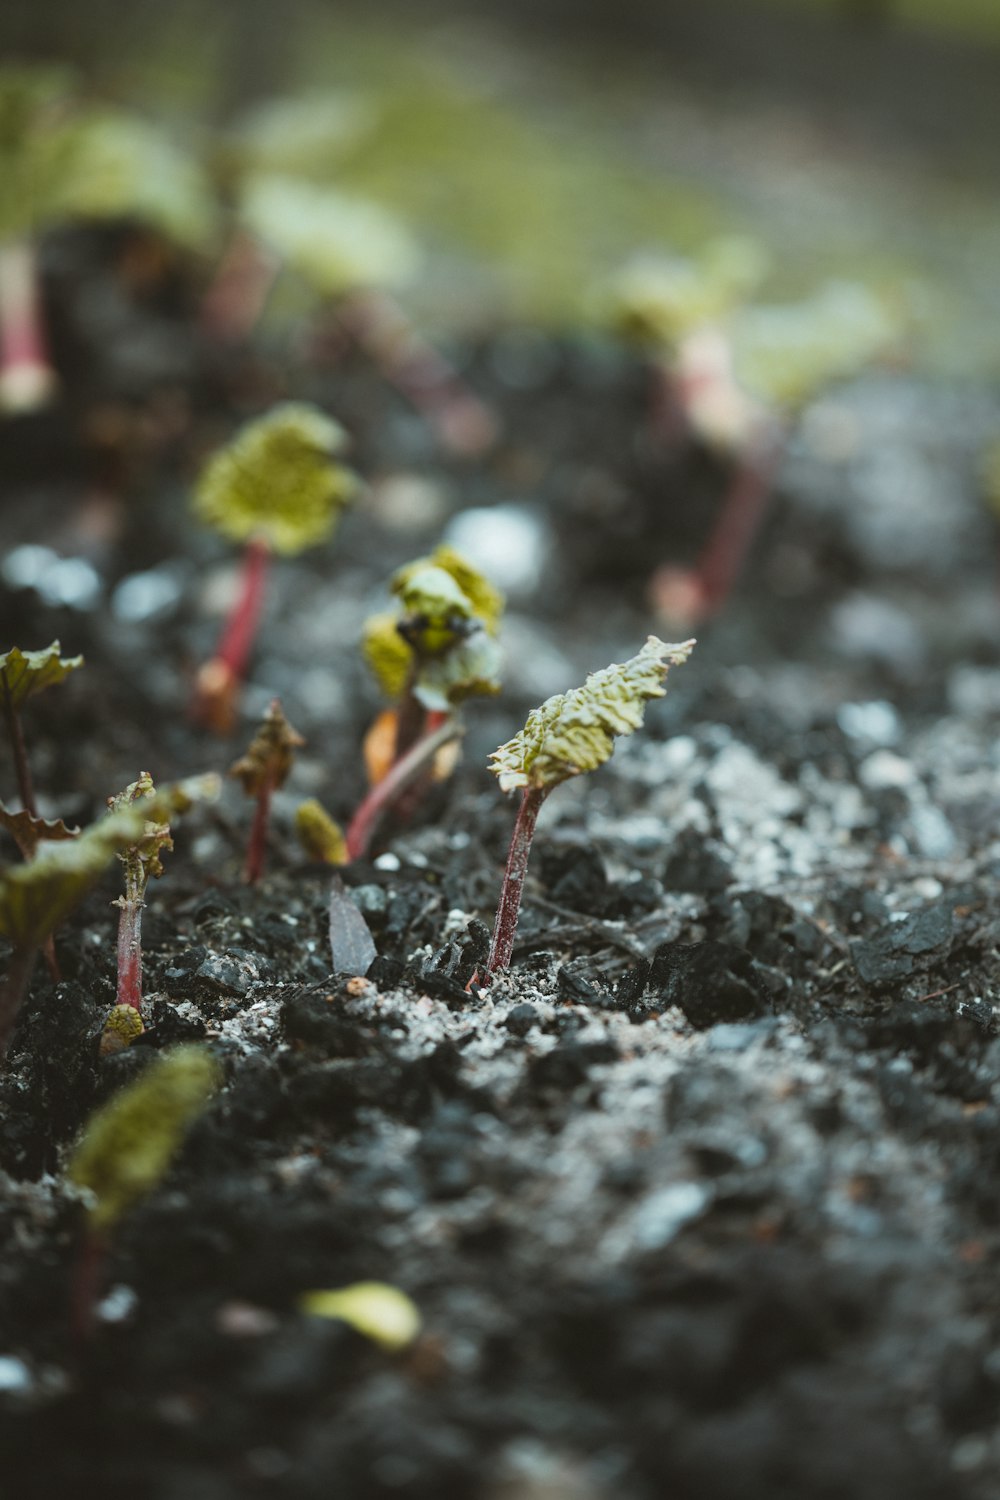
(702, 1198)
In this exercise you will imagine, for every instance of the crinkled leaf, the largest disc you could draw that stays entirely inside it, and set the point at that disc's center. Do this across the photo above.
(269, 756)
(386, 653)
(142, 860)
(25, 673)
(39, 137)
(127, 1147)
(485, 598)
(785, 354)
(575, 732)
(278, 479)
(659, 300)
(37, 896)
(381, 1312)
(352, 948)
(338, 243)
(321, 837)
(301, 136)
(122, 1026)
(470, 666)
(28, 832)
(128, 167)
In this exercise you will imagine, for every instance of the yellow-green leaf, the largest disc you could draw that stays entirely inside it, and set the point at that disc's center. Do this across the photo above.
(278, 479)
(321, 837)
(127, 1147)
(25, 673)
(269, 756)
(381, 1312)
(575, 732)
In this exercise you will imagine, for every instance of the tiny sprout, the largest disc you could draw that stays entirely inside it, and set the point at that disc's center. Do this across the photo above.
(22, 675)
(122, 1026)
(439, 649)
(570, 733)
(142, 860)
(278, 487)
(262, 770)
(126, 1149)
(380, 1312)
(321, 837)
(35, 897)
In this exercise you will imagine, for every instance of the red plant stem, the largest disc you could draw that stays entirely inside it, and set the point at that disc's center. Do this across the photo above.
(25, 787)
(86, 1284)
(240, 287)
(257, 847)
(420, 373)
(743, 509)
(26, 376)
(236, 642)
(130, 954)
(12, 991)
(385, 793)
(505, 925)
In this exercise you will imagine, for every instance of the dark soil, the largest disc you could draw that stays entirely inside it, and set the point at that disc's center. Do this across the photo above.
(703, 1197)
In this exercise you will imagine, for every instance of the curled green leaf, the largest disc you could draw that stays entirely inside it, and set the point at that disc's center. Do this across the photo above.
(127, 1146)
(575, 732)
(279, 479)
(381, 1312)
(25, 673)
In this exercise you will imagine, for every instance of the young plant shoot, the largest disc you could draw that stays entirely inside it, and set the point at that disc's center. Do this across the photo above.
(141, 860)
(278, 487)
(262, 770)
(569, 734)
(126, 1149)
(437, 650)
(22, 675)
(35, 897)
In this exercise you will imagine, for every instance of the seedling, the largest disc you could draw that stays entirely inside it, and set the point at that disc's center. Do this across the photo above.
(569, 734)
(278, 487)
(35, 897)
(438, 650)
(142, 861)
(262, 770)
(22, 675)
(126, 1149)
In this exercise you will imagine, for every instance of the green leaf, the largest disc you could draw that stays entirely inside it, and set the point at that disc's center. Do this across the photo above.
(321, 837)
(381, 1312)
(28, 832)
(338, 243)
(278, 479)
(575, 732)
(127, 1147)
(39, 138)
(386, 653)
(659, 300)
(786, 353)
(470, 666)
(301, 136)
(25, 673)
(37, 896)
(128, 167)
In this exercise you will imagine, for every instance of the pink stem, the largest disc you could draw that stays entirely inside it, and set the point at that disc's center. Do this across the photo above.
(505, 926)
(401, 775)
(26, 376)
(240, 632)
(257, 847)
(130, 954)
(242, 283)
(464, 424)
(738, 522)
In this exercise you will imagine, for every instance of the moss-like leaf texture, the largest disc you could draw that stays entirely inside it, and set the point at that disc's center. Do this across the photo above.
(381, 1312)
(28, 832)
(129, 1144)
(337, 243)
(24, 673)
(320, 836)
(269, 755)
(575, 732)
(451, 613)
(37, 896)
(279, 479)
